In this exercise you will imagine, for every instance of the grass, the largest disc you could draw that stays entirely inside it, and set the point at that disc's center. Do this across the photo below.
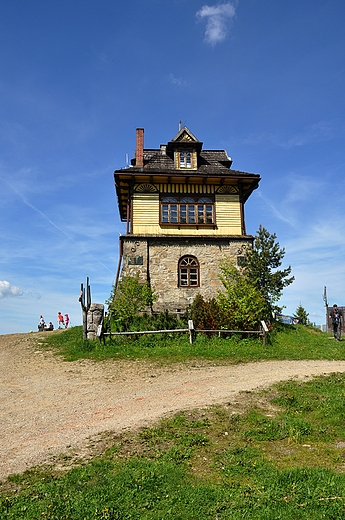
(274, 454)
(286, 342)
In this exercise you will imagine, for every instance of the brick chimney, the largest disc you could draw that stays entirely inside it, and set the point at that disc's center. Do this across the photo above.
(139, 150)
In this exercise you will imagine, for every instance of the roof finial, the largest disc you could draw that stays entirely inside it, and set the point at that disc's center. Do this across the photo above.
(179, 125)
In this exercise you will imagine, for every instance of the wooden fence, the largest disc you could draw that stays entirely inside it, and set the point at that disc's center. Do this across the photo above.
(191, 330)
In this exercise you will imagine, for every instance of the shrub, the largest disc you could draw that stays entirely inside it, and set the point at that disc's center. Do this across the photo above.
(128, 299)
(243, 306)
(206, 315)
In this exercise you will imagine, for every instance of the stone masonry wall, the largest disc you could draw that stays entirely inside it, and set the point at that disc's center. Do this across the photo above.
(156, 259)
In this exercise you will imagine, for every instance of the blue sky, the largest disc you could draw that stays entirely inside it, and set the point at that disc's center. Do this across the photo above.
(263, 79)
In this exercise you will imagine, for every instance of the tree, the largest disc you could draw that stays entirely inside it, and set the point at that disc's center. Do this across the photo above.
(128, 299)
(243, 304)
(302, 315)
(262, 262)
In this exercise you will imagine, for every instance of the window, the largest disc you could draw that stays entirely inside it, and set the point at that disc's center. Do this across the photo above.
(187, 210)
(188, 272)
(185, 159)
(169, 210)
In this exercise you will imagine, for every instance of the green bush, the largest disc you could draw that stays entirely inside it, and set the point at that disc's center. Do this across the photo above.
(240, 307)
(128, 299)
(242, 304)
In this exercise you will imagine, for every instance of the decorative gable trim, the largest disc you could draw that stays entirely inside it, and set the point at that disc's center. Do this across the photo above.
(185, 135)
(145, 188)
(184, 140)
(227, 189)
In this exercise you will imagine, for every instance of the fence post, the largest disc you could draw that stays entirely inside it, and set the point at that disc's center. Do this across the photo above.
(265, 330)
(191, 330)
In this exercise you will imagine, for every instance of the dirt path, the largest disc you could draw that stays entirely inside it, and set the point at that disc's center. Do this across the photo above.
(48, 405)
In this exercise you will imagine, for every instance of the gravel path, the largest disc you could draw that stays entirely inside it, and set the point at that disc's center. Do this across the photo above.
(48, 405)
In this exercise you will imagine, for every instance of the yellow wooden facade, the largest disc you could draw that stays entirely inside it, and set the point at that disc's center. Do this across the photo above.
(146, 208)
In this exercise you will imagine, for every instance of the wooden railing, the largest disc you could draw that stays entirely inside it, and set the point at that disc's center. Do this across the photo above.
(191, 330)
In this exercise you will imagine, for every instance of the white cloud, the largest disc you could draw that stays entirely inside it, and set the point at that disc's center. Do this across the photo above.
(177, 81)
(8, 290)
(217, 18)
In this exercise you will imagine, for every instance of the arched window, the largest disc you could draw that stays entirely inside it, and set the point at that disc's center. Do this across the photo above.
(188, 272)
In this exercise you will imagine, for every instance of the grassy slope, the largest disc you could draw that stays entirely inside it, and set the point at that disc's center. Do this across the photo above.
(288, 342)
(279, 453)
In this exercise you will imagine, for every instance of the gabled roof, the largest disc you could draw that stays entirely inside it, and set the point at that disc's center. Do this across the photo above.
(184, 139)
(184, 135)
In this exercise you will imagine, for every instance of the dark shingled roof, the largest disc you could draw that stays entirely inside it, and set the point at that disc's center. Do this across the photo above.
(210, 162)
(213, 166)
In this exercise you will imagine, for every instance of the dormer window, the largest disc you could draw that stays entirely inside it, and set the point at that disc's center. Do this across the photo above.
(185, 160)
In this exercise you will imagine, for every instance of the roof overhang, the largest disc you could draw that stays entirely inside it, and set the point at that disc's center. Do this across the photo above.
(125, 180)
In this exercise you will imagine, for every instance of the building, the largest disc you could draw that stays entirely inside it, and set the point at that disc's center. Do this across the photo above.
(184, 212)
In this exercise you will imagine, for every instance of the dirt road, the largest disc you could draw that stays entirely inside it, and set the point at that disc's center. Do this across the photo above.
(48, 405)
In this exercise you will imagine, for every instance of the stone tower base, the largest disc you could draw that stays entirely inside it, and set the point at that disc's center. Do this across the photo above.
(156, 259)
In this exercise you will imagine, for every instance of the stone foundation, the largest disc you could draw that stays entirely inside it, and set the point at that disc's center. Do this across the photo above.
(156, 259)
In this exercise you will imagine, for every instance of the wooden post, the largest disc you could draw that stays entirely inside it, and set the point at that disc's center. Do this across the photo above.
(265, 330)
(191, 330)
(85, 302)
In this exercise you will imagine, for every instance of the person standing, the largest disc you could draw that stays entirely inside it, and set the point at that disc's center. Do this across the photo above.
(41, 324)
(66, 321)
(336, 317)
(60, 320)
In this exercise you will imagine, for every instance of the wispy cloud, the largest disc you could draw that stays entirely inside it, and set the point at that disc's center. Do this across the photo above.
(7, 290)
(85, 231)
(300, 188)
(316, 132)
(177, 81)
(289, 197)
(217, 19)
(312, 133)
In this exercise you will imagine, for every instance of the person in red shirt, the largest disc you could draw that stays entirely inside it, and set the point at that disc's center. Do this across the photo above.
(60, 320)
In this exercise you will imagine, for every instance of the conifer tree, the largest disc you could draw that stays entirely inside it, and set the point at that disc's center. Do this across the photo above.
(302, 315)
(262, 263)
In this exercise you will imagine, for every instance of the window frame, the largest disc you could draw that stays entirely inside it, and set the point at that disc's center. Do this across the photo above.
(185, 159)
(188, 269)
(187, 210)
